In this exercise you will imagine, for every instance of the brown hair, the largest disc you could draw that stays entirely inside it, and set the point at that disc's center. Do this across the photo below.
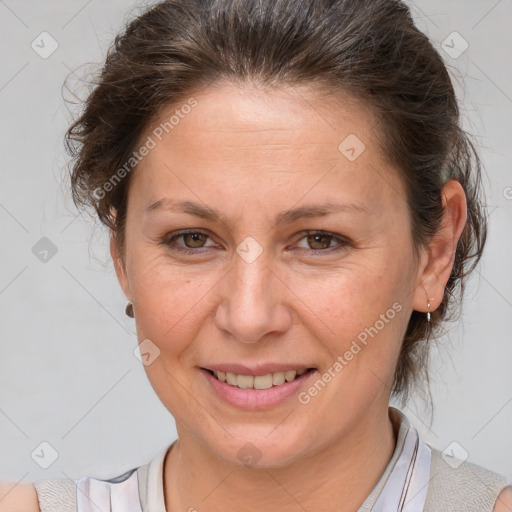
(369, 49)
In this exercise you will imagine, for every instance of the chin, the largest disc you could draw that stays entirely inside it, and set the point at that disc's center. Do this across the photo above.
(258, 450)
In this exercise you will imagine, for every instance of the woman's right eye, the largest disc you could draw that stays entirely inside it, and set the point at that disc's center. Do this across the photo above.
(192, 240)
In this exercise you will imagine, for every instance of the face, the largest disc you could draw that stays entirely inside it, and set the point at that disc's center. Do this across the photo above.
(262, 237)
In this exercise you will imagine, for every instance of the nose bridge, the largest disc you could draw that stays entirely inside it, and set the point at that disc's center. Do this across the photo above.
(251, 306)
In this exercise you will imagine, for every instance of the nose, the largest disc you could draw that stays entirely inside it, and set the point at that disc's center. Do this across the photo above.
(253, 305)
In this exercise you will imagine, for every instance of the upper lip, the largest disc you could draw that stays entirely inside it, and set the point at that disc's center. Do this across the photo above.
(260, 369)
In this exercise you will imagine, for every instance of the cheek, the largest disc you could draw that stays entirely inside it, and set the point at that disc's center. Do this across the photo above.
(169, 301)
(357, 313)
(351, 297)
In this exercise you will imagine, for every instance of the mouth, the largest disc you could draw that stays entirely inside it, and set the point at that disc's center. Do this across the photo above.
(267, 381)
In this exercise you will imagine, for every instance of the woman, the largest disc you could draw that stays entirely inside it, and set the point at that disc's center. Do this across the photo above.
(292, 207)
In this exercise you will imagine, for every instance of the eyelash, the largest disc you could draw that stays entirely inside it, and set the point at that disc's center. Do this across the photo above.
(342, 242)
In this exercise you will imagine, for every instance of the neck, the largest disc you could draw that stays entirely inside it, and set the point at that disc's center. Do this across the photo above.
(337, 478)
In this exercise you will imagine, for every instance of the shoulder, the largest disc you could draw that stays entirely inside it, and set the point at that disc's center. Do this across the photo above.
(504, 501)
(67, 495)
(139, 488)
(18, 497)
(462, 485)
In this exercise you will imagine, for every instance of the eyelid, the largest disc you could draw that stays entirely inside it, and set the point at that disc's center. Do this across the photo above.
(309, 232)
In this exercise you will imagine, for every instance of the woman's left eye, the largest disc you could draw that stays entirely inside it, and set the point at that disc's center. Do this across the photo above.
(318, 241)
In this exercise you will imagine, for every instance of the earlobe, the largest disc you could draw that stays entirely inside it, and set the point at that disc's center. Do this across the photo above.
(437, 267)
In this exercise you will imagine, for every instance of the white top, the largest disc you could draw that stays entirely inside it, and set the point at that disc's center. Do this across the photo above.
(416, 479)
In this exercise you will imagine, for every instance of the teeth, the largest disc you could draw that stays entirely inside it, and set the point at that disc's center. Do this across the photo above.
(263, 381)
(289, 376)
(278, 378)
(245, 381)
(231, 378)
(258, 381)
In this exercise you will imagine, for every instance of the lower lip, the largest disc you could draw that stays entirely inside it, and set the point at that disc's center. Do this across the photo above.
(256, 399)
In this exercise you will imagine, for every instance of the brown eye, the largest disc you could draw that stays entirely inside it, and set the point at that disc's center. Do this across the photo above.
(194, 240)
(319, 241)
(187, 242)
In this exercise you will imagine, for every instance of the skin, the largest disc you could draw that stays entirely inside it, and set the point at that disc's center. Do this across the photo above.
(252, 154)
(237, 151)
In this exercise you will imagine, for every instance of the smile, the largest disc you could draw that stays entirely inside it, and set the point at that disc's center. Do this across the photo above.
(266, 381)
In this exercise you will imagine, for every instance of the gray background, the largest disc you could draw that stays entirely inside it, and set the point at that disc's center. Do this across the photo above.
(68, 375)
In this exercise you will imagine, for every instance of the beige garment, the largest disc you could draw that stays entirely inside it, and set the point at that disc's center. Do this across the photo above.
(465, 488)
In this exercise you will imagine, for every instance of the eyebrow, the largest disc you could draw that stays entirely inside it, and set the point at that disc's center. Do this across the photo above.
(285, 217)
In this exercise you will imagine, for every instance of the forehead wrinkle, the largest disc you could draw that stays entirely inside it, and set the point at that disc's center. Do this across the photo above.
(297, 146)
(246, 130)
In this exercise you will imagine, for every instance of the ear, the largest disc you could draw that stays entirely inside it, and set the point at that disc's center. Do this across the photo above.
(436, 266)
(120, 266)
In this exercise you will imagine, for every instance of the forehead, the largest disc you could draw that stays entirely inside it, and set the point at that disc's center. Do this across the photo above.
(288, 119)
(265, 145)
